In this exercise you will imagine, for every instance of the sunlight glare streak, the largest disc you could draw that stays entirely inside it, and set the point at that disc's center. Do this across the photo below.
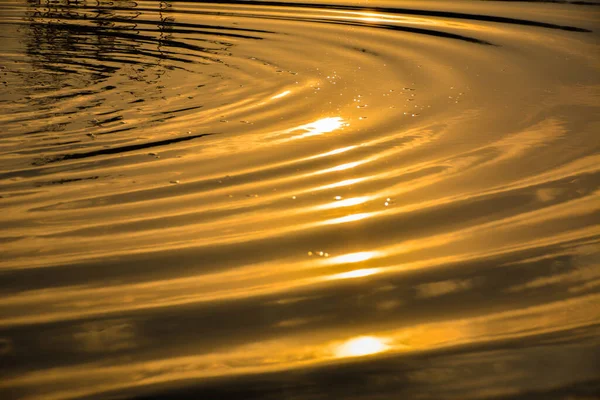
(361, 346)
(357, 273)
(318, 127)
(333, 152)
(349, 218)
(341, 167)
(353, 257)
(280, 95)
(345, 203)
(321, 126)
(371, 17)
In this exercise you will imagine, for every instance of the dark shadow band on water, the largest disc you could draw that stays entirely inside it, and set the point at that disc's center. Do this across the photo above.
(407, 11)
(116, 150)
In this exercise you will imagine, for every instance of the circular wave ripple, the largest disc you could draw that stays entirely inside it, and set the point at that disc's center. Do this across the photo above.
(207, 189)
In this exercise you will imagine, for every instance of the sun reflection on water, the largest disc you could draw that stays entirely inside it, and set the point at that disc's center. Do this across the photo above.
(357, 273)
(333, 152)
(341, 167)
(354, 257)
(348, 218)
(318, 127)
(346, 202)
(280, 95)
(361, 346)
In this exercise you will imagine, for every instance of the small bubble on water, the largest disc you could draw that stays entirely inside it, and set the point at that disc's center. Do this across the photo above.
(338, 197)
(175, 182)
(310, 253)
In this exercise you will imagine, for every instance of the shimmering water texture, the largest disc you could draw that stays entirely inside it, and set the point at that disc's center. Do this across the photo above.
(278, 200)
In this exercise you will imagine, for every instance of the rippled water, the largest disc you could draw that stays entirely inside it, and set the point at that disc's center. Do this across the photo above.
(279, 200)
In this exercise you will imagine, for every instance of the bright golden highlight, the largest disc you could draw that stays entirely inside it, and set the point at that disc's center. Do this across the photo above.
(358, 273)
(353, 257)
(361, 346)
(319, 127)
(280, 95)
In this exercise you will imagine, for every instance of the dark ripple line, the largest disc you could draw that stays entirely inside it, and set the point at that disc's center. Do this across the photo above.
(125, 33)
(115, 150)
(406, 11)
(422, 31)
(218, 30)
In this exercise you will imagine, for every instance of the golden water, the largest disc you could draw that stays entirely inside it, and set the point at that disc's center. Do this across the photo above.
(281, 200)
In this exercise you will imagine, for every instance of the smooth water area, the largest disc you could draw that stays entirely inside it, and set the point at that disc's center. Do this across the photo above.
(333, 199)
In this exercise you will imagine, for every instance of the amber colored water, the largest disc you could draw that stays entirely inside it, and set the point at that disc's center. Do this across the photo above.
(333, 199)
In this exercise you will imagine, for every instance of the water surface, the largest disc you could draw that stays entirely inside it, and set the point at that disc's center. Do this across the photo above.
(299, 200)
